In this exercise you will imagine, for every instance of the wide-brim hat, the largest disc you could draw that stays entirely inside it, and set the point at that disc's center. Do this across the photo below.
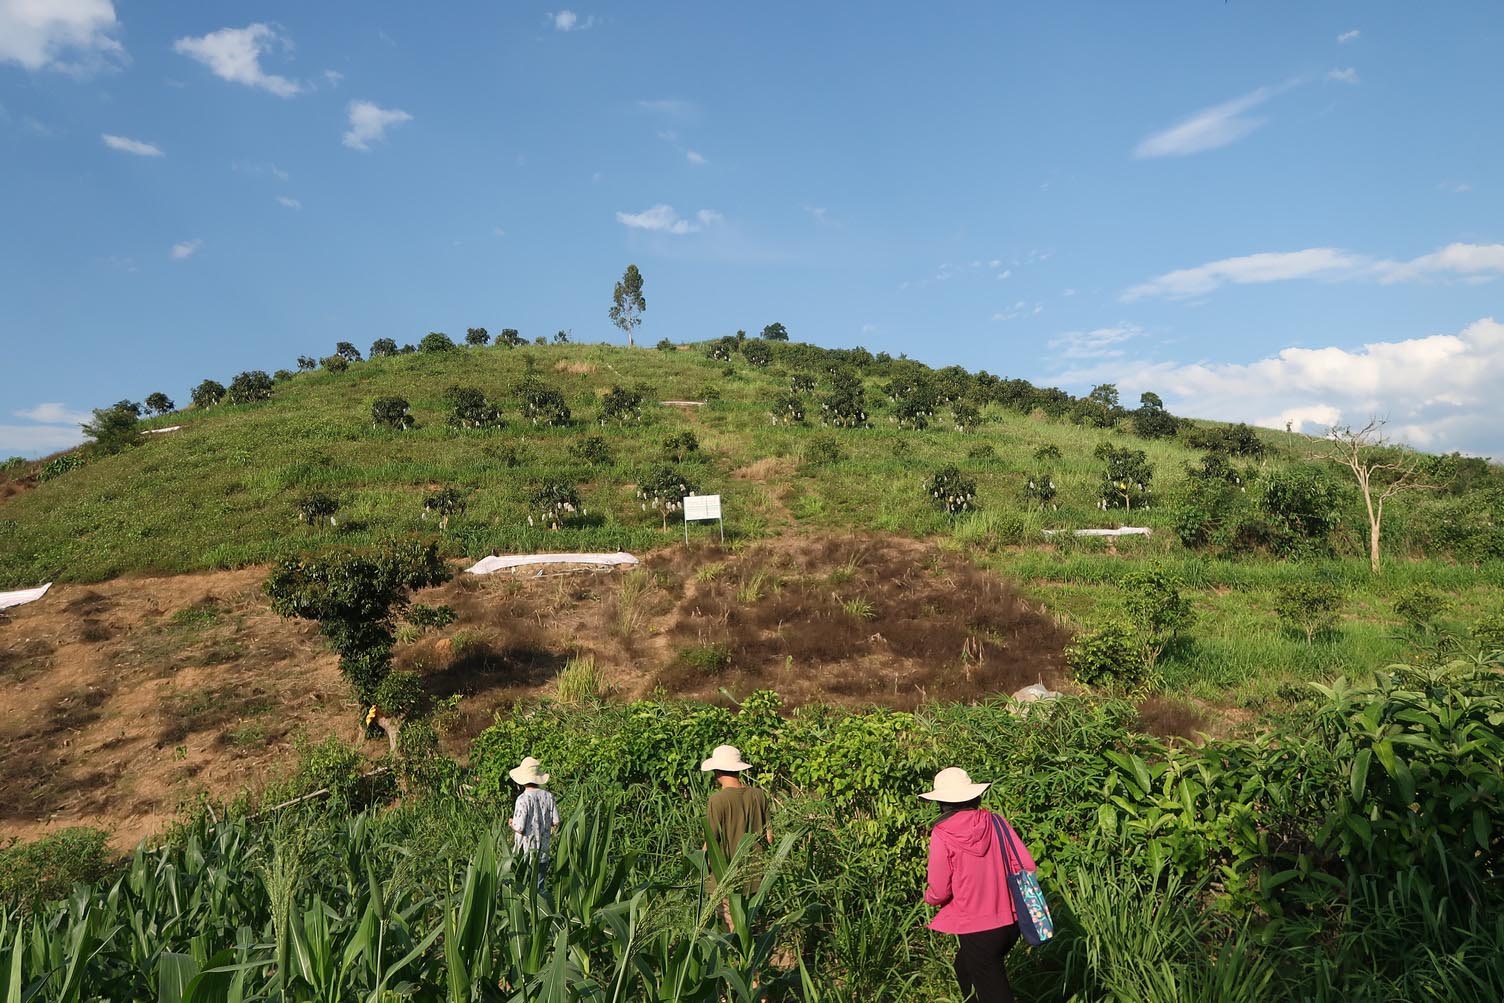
(953, 786)
(527, 773)
(727, 758)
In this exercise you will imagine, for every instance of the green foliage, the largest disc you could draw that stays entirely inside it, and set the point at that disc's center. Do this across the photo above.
(249, 388)
(1299, 512)
(982, 451)
(355, 597)
(208, 394)
(468, 408)
(681, 447)
(664, 345)
(591, 449)
(582, 681)
(1109, 655)
(114, 429)
(383, 348)
(510, 338)
(966, 415)
(335, 364)
(722, 349)
(1047, 454)
(1489, 632)
(1155, 423)
(436, 341)
(392, 413)
(347, 351)
(543, 405)
(561, 338)
(283, 375)
(1126, 477)
(430, 617)
(801, 383)
(60, 465)
(1157, 608)
(1420, 605)
(952, 491)
(1040, 488)
(1309, 606)
(444, 503)
(787, 409)
(477, 336)
(1233, 440)
(49, 867)
(662, 488)
(775, 332)
(627, 302)
(315, 507)
(160, 403)
(710, 659)
(307, 363)
(846, 404)
(822, 451)
(621, 405)
(554, 502)
(757, 354)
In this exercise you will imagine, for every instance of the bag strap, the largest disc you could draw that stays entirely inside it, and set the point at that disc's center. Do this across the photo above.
(1003, 844)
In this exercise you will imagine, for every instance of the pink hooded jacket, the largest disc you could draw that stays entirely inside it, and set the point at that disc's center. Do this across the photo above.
(967, 880)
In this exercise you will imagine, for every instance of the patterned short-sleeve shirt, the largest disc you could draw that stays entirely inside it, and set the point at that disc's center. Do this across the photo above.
(533, 819)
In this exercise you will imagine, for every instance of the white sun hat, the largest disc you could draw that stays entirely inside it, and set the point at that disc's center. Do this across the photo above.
(725, 757)
(953, 786)
(527, 773)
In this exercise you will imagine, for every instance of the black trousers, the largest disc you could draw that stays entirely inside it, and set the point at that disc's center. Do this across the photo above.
(980, 965)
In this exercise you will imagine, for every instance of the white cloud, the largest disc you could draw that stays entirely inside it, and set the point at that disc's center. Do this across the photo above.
(1478, 261)
(1439, 392)
(1348, 36)
(127, 145)
(234, 54)
(1346, 76)
(568, 20)
(290, 203)
(185, 249)
(1216, 126)
(1099, 344)
(664, 219)
(369, 123)
(695, 158)
(53, 414)
(73, 36)
(1019, 309)
(1005, 273)
(37, 440)
(1315, 262)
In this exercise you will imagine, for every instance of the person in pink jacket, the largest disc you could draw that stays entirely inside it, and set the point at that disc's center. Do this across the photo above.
(967, 880)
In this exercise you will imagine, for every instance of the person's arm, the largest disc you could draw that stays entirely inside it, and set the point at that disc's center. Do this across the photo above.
(767, 822)
(938, 890)
(553, 811)
(517, 817)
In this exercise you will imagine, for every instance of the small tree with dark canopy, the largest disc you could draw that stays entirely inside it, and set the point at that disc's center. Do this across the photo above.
(133, 407)
(1125, 481)
(1151, 420)
(543, 405)
(664, 345)
(347, 351)
(468, 408)
(967, 416)
(444, 503)
(436, 341)
(316, 507)
(383, 348)
(160, 403)
(208, 394)
(663, 489)
(335, 363)
(477, 336)
(510, 338)
(627, 304)
(775, 332)
(681, 447)
(391, 412)
(952, 491)
(846, 404)
(554, 502)
(249, 387)
(801, 383)
(757, 354)
(306, 363)
(591, 450)
(355, 598)
(1308, 606)
(113, 429)
(621, 405)
(787, 409)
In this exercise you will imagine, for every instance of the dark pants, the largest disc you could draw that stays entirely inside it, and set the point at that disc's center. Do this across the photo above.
(980, 967)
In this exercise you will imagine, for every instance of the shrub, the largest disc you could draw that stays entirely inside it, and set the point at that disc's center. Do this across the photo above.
(711, 659)
(208, 394)
(1308, 607)
(722, 349)
(283, 375)
(787, 409)
(335, 363)
(1215, 467)
(113, 430)
(554, 502)
(1156, 608)
(130, 407)
(444, 503)
(1046, 454)
(477, 336)
(592, 449)
(1155, 423)
(952, 491)
(430, 617)
(12, 464)
(1108, 655)
(710, 394)
(347, 351)
(1125, 479)
(1234, 440)
(664, 345)
(1489, 632)
(59, 465)
(775, 332)
(49, 867)
(663, 489)
(160, 403)
(757, 354)
(982, 451)
(316, 507)
(967, 416)
(561, 338)
(846, 404)
(307, 362)
(436, 341)
(681, 447)
(914, 411)
(1420, 605)
(391, 412)
(621, 405)
(509, 338)
(468, 408)
(543, 405)
(1299, 512)
(801, 383)
(822, 451)
(249, 388)
(1040, 488)
(383, 348)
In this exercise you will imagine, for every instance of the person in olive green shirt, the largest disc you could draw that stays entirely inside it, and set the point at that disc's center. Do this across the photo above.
(735, 811)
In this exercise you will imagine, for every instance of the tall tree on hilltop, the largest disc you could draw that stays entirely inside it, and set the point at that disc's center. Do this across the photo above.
(627, 304)
(1381, 469)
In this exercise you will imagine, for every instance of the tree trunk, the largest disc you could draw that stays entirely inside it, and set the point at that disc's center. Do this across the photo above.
(1374, 522)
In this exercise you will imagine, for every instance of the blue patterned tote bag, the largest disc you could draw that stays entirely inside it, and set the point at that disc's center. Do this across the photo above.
(1029, 908)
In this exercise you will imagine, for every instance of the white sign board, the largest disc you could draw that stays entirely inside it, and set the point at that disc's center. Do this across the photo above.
(702, 508)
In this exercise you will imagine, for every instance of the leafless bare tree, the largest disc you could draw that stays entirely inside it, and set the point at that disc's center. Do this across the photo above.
(1382, 470)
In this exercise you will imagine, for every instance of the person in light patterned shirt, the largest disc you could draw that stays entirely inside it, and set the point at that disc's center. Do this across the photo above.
(535, 817)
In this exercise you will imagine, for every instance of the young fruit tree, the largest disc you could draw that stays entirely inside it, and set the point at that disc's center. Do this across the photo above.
(1157, 609)
(1381, 469)
(952, 490)
(1310, 607)
(663, 489)
(160, 403)
(627, 304)
(113, 430)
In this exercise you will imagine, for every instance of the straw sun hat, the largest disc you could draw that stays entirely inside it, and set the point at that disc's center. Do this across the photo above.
(725, 757)
(953, 786)
(527, 773)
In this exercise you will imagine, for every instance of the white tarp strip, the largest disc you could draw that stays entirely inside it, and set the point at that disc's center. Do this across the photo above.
(159, 431)
(24, 596)
(1120, 531)
(487, 565)
(683, 403)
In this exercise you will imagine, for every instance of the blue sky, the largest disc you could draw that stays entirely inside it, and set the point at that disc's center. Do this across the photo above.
(1263, 211)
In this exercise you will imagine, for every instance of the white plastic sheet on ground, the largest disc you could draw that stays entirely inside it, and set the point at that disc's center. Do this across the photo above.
(489, 565)
(1120, 531)
(161, 431)
(23, 596)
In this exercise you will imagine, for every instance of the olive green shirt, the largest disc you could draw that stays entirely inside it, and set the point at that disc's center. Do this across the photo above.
(736, 812)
